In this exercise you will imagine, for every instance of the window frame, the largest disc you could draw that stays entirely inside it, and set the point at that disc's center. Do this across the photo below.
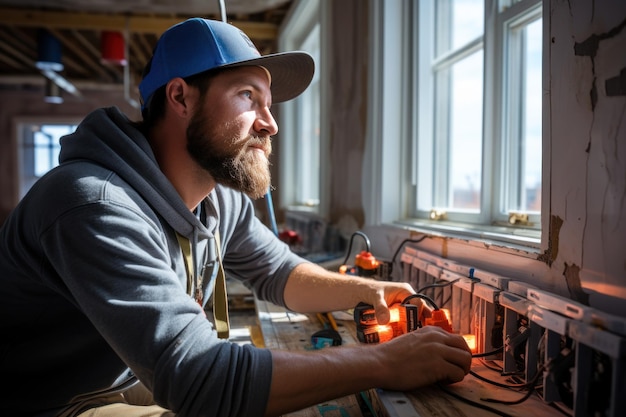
(22, 123)
(304, 17)
(518, 14)
(386, 201)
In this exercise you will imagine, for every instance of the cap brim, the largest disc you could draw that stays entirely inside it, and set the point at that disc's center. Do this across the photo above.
(291, 72)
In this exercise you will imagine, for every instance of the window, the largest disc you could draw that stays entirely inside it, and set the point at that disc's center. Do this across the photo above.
(301, 139)
(39, 150)
(478, 97)
(307, 143)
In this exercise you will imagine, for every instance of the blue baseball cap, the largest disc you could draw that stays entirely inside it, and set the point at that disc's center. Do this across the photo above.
(197, 45)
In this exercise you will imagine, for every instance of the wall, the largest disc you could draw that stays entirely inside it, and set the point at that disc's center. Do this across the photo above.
(347, 114)
(588, 149)
(28, 104)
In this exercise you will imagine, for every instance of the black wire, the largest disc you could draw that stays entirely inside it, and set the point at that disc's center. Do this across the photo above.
(531, 390)
(367, 245)
(447, 300)
(405, 241)
(526, 396)
(474, 403)
(496, 383)
(443, 284)
(483, 354)
(422, 296)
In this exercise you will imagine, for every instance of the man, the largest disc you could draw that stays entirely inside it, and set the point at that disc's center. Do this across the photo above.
(107, 263)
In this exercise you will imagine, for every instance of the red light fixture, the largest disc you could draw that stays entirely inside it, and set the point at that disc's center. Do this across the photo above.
(112, 48)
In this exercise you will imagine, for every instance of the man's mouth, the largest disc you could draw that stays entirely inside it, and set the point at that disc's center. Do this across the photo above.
(259, 147)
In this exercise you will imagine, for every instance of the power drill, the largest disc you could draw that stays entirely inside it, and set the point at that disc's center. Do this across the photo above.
(403, 318)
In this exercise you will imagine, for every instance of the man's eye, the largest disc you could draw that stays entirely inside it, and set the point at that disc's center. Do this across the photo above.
(247, 93)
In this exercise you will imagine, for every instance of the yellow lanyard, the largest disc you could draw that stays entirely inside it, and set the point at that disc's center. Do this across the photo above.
(220, 297)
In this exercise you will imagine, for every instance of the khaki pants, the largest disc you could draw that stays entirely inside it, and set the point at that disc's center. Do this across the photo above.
(137, 401)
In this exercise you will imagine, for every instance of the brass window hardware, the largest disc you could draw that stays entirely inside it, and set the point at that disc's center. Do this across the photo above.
(438, 214)
(518, 219)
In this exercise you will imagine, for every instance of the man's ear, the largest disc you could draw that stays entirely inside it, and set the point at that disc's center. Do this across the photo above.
(178, 97)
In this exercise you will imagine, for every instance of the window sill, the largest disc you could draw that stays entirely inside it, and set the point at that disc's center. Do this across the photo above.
(517, 238)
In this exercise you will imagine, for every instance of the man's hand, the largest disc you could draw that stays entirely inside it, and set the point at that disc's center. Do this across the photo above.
(385, 294)
(423, 357)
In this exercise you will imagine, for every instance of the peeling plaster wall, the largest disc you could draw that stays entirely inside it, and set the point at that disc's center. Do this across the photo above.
(588, 149)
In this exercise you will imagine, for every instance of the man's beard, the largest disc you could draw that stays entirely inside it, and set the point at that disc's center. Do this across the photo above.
(228, 159)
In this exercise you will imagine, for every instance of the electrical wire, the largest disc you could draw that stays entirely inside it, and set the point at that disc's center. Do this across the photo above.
(531, 389)
(437, 285)
(424, 297)
(405, 241)
(367, 244)
(496, 383)
(483, 354)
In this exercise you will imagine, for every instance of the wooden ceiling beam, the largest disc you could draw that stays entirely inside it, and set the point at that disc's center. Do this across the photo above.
(134, 23)
(15, 49)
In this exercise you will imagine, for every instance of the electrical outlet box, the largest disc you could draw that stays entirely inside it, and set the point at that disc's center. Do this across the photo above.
(600, 376)
(516, 332)
(574, 354)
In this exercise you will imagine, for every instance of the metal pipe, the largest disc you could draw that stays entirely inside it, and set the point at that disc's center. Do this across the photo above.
(220, 4)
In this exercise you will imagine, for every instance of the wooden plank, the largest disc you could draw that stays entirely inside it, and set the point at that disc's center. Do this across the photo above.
(434, 401)
(286, 330)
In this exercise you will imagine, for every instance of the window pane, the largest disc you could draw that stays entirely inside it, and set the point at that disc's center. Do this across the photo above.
(308, 139)
(40, 149)
(459, 22)
(522, 162)
(458, 142)
(466, 132)
(532, 121)
(47, 147)
(309, 147)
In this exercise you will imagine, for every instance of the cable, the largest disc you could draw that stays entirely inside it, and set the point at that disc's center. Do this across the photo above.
(496, 383)
(531, 390)
(393, 259)
(367, 245)
(439, 285)
(424, 297)
(483, 354)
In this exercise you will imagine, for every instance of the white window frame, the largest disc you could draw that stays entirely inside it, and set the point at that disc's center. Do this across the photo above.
(507, 111)
(390, 175)
(304, 18)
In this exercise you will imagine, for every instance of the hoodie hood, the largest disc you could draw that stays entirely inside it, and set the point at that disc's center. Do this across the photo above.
(108, 138)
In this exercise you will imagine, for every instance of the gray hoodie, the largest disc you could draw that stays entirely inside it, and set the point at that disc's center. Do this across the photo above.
(93, 287)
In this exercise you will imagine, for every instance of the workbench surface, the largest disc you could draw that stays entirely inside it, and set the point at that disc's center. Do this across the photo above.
(282, 329)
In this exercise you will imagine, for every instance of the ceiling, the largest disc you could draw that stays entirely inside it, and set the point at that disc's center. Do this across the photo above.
(79, 24)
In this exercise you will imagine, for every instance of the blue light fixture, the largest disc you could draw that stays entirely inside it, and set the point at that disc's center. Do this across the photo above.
(48, 52)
